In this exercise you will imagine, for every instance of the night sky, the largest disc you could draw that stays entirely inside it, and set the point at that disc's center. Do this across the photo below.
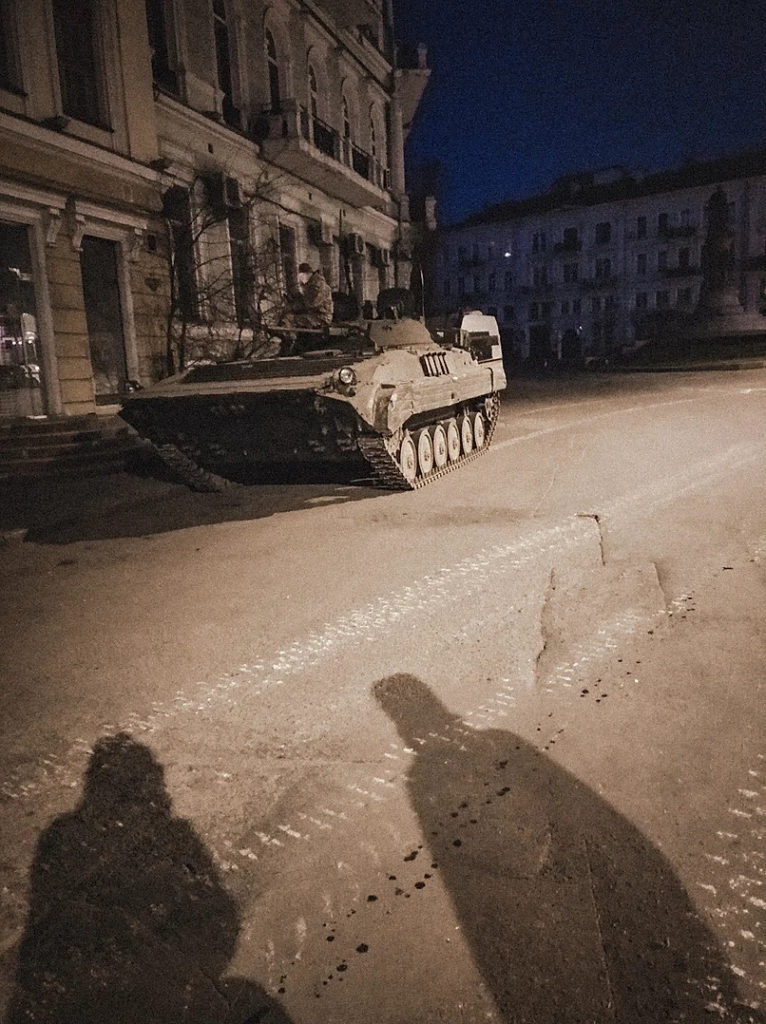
(523, 91)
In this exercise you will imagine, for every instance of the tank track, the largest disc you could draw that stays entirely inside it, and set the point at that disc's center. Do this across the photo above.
(385, 465)
(189, 472)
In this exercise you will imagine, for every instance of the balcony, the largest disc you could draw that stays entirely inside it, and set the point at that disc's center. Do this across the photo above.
(304, 145)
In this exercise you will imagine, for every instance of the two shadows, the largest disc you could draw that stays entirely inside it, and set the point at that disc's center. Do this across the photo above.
(570, 914)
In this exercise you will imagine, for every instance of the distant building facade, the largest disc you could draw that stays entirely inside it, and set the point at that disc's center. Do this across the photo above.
(603, 258)
(149, 148)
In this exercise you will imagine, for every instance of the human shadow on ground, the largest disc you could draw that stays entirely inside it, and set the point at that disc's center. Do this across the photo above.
(571, 915)
(128, 920)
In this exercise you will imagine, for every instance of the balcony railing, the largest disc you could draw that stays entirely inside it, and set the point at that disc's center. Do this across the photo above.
(327, 140)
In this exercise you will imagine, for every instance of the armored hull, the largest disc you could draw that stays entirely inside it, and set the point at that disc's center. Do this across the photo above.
(386, 397)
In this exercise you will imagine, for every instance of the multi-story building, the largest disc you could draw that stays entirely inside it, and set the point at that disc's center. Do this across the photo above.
(166, 164)
(602, 258)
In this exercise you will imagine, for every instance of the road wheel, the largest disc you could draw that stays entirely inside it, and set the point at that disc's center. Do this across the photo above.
(439, 442)
(453, 441)
(479, 430)
(466, 435)
(408, 459)
(425, 453)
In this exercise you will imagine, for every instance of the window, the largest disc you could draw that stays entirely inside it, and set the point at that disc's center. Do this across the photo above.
(640, 227)
(683, 258)
(663, 223)
(565, 307)
(603, 269)
(157, 23)
(80, 75)
(461, 286)
(461, 251)
(545, 310)
(569, 238)
(223, 62)
(346, 119)
(476, 285)
(595, 304)
(508, 313)
(685, 218)
(177, 211)
(475, 252)
(642, 300)
(641, 264)
(491, 282)
(610, 304)
(446, 288)
(684, 296)
(571, 272)
(603, 233)
(662, 300)
(508, 280)
(662, 259)
(538, 241)
(241, 266)
(534, 311)
(10, 68)
(273, 68)
(313, 92)
(539, 277)
(576, 306)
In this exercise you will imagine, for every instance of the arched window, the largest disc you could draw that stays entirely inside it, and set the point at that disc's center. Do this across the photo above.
(373, 139)
(313, 92)
(273, 67)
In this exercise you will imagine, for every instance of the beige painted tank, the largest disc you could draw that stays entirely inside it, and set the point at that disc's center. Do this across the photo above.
(389, 398)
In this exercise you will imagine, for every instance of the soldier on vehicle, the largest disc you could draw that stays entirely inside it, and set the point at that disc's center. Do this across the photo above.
(312, 306)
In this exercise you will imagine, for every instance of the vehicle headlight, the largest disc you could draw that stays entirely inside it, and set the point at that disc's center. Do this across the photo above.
(346, 376)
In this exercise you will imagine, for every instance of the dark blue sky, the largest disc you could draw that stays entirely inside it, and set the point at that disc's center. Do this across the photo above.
(523, 91)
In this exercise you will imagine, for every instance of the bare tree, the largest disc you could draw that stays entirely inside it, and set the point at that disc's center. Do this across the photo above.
(226, 275)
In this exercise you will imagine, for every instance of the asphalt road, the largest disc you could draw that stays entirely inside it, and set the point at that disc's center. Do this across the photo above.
(490, 751)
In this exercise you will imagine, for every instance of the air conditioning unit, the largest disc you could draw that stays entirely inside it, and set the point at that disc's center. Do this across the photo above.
(356, 244)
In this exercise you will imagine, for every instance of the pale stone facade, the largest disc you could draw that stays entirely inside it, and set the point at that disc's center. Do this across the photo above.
(602, 259)
(108, 106)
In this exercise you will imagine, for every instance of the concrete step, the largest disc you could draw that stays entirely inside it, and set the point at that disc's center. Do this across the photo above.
(68, 446)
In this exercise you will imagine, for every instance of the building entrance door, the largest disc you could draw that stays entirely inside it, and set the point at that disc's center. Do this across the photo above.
(103, 314)
(21, 377)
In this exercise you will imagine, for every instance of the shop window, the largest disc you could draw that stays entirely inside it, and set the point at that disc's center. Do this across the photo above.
(21, 381)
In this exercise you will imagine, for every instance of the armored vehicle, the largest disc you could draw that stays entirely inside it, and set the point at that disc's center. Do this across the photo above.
(391, 398)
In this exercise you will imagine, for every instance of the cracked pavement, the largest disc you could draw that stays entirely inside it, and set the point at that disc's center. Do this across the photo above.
(489, 752)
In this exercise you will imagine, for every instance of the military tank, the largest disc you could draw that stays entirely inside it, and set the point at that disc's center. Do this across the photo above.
(403, 404)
